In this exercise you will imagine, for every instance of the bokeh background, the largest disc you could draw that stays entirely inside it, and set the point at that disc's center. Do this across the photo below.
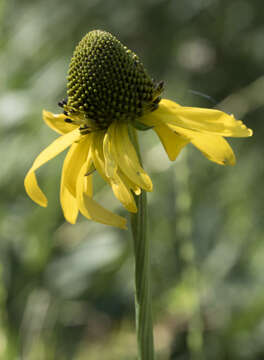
(66, 292)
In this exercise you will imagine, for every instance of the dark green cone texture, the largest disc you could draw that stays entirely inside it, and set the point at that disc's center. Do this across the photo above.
(107, 82)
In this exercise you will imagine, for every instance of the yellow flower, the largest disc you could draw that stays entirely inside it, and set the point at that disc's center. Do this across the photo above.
(108, 92)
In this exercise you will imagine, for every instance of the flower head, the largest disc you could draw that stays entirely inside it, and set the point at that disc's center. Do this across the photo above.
(109, 91)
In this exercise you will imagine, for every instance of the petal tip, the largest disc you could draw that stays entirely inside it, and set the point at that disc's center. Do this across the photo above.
(122, 224)
(72, 222)
(250, 132)
(231, 161)
(41, 202)
(70, 218)
(46, 115)
(150, 187)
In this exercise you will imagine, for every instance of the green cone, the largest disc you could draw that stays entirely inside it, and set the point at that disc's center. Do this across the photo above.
(107, 82)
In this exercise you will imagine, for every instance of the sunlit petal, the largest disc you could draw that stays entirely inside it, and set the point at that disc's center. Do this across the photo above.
(75, 158)
(59, 145)
(68, 203)
(214, 147)
(57, 122)
(122, 192)
(104, 161)
(108, 151)
(88, 184)
(173, 143)
(98, 154)
(90, 208)
(126, 156)
(136, 189)
(199, 119)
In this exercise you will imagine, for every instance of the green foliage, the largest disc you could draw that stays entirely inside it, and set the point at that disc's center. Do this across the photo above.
(66, 292)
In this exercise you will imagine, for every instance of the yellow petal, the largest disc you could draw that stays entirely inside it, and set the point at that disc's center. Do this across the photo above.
(75, 158)
(102, 155)
(214, 147)
(59, 145)
(136, 189)
(172, 142)
(119, 186)
(57, 122)
(68, 203)
(88, 184)
(90, 208)
(97, 153)
(33, 190)
(199, 119)
(108, 151)
(126, 156)
(122, 192)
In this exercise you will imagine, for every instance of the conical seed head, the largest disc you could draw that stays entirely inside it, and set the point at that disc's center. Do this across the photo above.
(107, 81)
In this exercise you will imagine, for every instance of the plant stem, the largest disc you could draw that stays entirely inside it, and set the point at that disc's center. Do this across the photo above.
(143, 301)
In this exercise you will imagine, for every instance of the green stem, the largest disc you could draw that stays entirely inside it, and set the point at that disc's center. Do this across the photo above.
(143, 301)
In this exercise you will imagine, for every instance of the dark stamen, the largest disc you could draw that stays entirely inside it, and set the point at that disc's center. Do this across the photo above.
(156, 101)
(63, 102)
(68, 121)
(84, 129)
(160, 85)
(65, 113)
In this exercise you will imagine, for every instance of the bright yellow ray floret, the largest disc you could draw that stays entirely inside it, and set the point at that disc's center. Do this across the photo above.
(204, 128)
(112, 154)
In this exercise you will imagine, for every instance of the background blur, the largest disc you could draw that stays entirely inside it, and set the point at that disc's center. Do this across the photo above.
(66, 292)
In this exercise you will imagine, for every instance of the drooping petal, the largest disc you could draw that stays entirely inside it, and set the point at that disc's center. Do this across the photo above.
(75, 158)
(172, 142)
(97, 153)
(69, 203)
(214, 147)
(198, 119)
(136, 189)
(57, 122)
(33, 190)
(88, 184)
(122, 192)
(104, 161)
(59, 145)
(126, 156)
(108, 151)
(90, 208)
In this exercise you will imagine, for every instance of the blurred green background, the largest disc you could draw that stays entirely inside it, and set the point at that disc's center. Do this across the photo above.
(66, 292)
